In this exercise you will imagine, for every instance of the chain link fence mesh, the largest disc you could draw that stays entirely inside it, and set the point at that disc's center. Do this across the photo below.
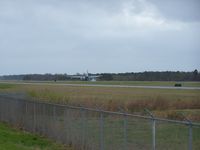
(93, 129)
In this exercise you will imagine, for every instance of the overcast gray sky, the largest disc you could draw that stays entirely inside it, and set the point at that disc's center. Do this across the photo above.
(70, 36)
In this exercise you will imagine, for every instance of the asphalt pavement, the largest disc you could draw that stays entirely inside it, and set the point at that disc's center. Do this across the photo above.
(103, 85)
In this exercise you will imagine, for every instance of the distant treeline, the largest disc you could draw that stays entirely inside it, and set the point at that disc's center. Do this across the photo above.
(38, 77)
(153, 76)
(131, 76)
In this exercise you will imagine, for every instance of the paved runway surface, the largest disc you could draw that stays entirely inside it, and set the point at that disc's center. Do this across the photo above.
(101, 85)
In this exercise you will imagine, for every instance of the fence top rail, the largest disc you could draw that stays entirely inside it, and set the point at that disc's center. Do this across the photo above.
(104, 111)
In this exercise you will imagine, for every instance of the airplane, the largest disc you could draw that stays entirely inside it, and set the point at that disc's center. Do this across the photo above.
(85, 77)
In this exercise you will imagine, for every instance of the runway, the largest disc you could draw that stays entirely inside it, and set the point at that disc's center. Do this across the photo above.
(102, 85)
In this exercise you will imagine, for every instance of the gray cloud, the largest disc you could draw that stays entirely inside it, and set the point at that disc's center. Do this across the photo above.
(184, 10)
(60, 36)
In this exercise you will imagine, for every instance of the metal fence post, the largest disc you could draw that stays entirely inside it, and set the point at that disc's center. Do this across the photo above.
(1, 110)
(154, 133)
(83, 127)
(190, 136)
(189, 132)
(101, 131)
(34, 117)
(65, 124)
(153, 129)
(125, 131)
(124, 128)
(54, 122)
(26, 116)
(44, 118)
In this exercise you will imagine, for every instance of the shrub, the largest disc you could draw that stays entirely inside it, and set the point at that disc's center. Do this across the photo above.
(175, 115)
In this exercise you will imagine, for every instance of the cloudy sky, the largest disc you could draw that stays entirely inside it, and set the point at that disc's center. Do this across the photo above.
(70, 36)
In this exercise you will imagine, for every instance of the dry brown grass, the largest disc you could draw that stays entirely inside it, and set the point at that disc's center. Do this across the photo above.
(115, 99)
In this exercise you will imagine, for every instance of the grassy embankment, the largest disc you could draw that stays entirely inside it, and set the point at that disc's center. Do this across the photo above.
(168, 103)
(14, 139)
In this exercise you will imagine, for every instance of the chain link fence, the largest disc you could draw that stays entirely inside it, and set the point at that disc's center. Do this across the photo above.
(93, 129)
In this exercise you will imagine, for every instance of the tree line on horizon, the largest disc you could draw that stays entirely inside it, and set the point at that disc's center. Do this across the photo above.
(130, 76)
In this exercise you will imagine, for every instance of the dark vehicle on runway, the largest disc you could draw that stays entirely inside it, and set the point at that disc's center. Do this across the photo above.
(178, 85)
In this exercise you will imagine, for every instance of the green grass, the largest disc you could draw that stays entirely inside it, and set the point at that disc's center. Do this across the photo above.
(169, 136)
(6, 86)
(14, 139)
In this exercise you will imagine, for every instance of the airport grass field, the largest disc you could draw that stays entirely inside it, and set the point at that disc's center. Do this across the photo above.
(168, 103)
(14, 139)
